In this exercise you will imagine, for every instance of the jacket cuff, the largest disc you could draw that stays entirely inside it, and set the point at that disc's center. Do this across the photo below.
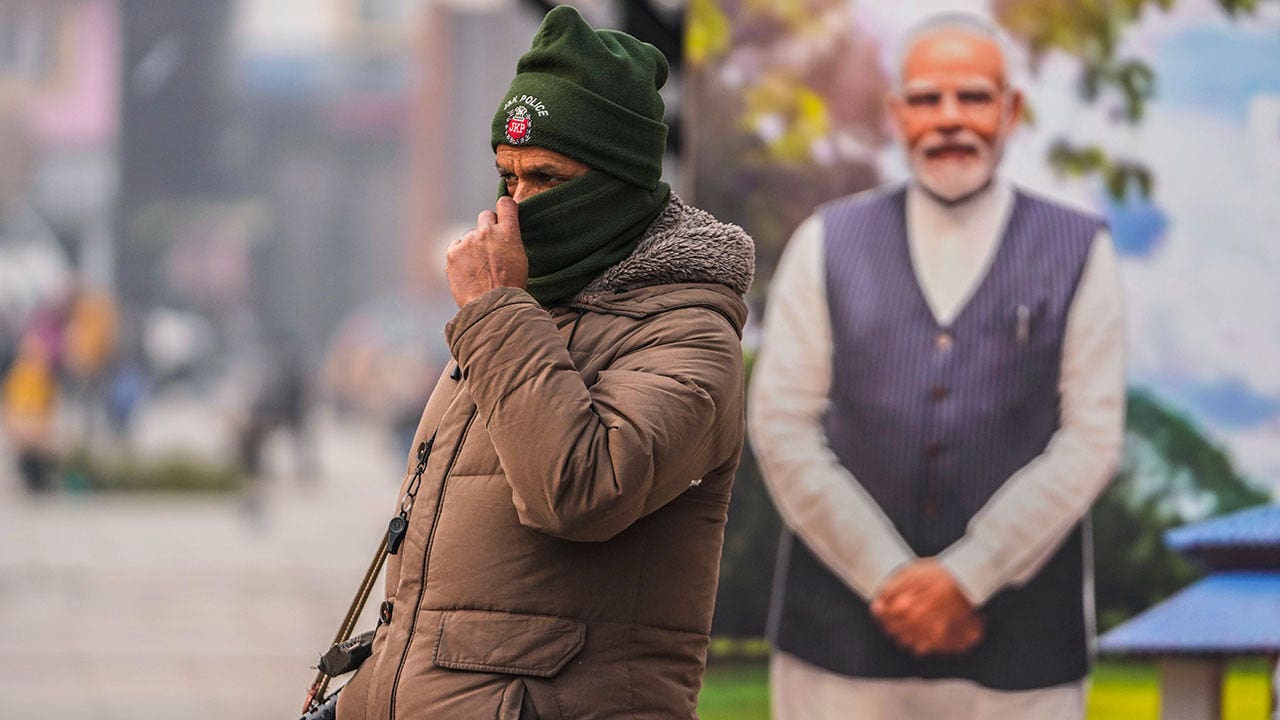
(475, 312)
(974, 568)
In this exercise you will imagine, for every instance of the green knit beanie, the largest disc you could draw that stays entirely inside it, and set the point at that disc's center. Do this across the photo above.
(591, 95)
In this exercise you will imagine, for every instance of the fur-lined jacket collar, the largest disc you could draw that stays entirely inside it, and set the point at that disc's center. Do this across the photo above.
(683, 245)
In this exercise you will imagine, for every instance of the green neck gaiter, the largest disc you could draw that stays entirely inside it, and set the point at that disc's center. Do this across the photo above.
(575, 230)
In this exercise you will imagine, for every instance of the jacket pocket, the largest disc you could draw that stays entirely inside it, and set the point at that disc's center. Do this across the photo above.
(1018, 321)
(512, 643)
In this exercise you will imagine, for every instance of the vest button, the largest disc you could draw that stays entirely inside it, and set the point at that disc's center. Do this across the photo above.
(939, 392)
(944, 341)
(933, 448)
(456, 374)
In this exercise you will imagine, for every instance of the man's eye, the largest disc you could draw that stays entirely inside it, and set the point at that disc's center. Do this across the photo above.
(923, 99)
(541, 178)
(975, 97)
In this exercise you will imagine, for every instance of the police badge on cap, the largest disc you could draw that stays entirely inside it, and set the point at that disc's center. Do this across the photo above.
(519, 122)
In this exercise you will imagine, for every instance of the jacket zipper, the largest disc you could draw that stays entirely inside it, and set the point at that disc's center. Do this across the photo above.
(426, 557)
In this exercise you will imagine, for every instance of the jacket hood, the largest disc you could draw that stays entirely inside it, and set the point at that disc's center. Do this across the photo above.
(712, 262)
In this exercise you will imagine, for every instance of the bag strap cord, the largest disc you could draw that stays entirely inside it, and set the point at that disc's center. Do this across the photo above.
(396, 530)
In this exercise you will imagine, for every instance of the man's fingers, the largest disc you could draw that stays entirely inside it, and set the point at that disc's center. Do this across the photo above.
(881, 601)
(907, 624)
(508, 212)
(899, 603)
(925, 642)
(455, 246)
(486, 218)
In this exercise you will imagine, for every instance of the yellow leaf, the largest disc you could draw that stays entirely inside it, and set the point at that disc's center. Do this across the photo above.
(708, 32)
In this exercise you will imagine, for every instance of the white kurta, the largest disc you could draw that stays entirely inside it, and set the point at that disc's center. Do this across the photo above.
(1010, 538)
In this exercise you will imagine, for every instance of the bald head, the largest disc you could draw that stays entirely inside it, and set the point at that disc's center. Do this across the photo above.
(947, 24)
(953, 108)
(954, 51)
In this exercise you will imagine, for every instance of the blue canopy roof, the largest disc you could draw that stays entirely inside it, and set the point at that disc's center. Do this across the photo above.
(1256, 527)
(1235, 613)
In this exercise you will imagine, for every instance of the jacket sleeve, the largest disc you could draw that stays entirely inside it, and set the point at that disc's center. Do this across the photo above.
(584, 463)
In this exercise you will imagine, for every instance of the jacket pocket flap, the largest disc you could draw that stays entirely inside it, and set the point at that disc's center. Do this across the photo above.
(536, 645)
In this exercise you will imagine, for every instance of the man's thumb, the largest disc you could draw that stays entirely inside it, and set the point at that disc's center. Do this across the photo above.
(508, 212)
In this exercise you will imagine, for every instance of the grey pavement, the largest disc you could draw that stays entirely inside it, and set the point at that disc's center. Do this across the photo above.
(138, 607)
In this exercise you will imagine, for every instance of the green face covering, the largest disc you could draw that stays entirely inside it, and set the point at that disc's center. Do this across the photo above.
(575, 230)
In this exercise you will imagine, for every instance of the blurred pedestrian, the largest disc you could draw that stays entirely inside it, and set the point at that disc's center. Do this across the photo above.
(90, 345)
(939, 400)
(578, 454)
(282, 402)
(127, 388)
(30, 397)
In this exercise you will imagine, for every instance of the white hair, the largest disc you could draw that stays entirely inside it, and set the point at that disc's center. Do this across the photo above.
(951, 20)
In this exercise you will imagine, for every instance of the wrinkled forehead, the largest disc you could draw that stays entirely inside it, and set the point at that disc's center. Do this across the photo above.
(953, 56)
(510, 156)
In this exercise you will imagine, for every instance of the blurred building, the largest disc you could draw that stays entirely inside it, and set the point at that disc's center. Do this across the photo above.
(1231, 613)
(282, 161)
(59, 70)
(323, 91)
(60, 63)
(366, 126)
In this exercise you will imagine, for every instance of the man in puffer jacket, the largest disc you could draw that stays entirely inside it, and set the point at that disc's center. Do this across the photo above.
(563, 542)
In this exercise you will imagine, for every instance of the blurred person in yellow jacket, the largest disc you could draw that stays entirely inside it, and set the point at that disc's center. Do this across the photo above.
(30, 397)
(91, 334)
(89, 347)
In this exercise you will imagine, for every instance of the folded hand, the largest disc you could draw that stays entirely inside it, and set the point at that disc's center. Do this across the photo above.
(924, 611)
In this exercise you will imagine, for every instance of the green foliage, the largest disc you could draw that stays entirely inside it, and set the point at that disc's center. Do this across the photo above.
(787, 112)
(1090, 30)
(1119, 177)
(1235, 8)
(173, 473)
(1170, 475)
(1134, 78)
(735, 691)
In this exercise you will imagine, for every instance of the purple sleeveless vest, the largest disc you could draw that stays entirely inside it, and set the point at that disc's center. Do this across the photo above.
(932, 420)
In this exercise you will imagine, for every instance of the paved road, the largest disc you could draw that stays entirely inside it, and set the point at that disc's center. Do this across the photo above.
(167, 607)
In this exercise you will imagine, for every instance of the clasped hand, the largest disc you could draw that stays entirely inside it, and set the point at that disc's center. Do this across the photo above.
(924, 611)
(489, 256)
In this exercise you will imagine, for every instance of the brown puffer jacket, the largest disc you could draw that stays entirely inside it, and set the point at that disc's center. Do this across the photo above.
(563, 550)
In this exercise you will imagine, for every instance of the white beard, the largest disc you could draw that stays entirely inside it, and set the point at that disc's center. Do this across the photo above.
(951, 181)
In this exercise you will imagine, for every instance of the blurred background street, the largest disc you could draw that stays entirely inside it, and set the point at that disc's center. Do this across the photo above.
(221, 309)
(222, 296)
(162, 606)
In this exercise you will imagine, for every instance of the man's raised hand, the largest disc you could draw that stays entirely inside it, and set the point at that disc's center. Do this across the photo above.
(489, 256)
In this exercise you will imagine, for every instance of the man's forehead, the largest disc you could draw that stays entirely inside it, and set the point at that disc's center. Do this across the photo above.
(527, 156)
(949, 81)
(953, 52)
